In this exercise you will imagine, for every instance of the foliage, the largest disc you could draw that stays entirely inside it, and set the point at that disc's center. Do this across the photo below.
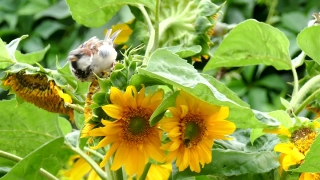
(244, 63)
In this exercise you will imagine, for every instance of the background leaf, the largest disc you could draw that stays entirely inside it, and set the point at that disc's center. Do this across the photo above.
(99, 12)
(309, 43)
(252, 42)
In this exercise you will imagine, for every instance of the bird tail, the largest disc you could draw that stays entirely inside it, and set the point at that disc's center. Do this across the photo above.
(110, 39)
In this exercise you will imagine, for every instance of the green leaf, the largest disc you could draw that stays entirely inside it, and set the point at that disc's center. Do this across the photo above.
(48, 27)
(27, 125)
(159, 112)
(64, 125)
(234, 163)
(5, 59)
(12, 46)
(184, 52)
(170, 69)
(250, 43)
(309, 43)
(31, 58)
(311, 161)
(57, 11)
(96, 13)
(50, 156)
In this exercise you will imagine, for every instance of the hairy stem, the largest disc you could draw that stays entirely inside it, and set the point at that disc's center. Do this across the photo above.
(295, 101)
(17, 159)
(307, 101)
(156, 26)
(152, 34)
(90, 161)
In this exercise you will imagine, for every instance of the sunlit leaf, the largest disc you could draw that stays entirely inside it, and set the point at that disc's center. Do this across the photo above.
(170, 69)
(251, 43)
(309, 43)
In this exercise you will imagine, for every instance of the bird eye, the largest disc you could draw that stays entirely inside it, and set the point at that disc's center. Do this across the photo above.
(78, 55)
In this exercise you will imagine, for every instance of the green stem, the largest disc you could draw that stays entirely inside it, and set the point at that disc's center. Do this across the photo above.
(307, 101)
(94, 152)
(17, 159)
(295, 101)
(156, 26)
(295, 81)
(271, 11)
(118, 174)
(145, 171)
(90, 161)
(151, 31)
(75, 107)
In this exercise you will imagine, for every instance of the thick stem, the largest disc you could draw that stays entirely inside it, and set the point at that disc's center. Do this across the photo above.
(145, 171)
(295, 101)
(17, 159)
(75, 107)
(152, 34)
(156, 26)
(307, 101)
(118, 174)
(90, 161)
(295, 81)
(271, 11)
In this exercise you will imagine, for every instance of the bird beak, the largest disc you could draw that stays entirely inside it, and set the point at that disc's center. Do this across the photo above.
(72, 58)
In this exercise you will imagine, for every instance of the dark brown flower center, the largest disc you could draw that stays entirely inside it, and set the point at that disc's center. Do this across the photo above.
(193, 129)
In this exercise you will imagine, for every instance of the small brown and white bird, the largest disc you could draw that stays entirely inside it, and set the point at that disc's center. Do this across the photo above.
(94, 56)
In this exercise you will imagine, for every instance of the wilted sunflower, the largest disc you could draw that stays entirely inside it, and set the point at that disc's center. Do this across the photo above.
(192, 129)
(132, 139)
(38, 90)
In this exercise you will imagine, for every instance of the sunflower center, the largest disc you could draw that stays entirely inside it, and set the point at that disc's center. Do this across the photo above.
(303, 138)
(193, 130)
(137, 125)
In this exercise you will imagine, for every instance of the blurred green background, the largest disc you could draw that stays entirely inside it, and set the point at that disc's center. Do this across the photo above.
(49, 22)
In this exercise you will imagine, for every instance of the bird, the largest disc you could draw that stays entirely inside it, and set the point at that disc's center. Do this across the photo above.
(93, 57)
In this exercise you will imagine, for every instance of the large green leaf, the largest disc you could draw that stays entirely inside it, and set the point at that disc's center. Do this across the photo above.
(50, 156)
(171, 69)
(251, 43)
(96, 13)
(309, 43)
(5, 58)
(311, 161)
(27, 126)
(31, 58)
(233, 163)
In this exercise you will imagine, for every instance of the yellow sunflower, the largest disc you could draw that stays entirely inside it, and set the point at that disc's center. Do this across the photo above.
(294, 152)
(132, 139)
(309, 176)
(192, 129)
(290, 155)
(80, 169)
(159, 172)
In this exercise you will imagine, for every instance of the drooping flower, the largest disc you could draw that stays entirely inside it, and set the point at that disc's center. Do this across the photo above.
(132, 139)
(38, 90)
(192, 129)
(159, 172)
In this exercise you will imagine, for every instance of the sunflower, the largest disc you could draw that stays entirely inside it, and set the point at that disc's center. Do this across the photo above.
(159, 172)
(192, 129)
(132, 139)
(294, 152)
(79, 169)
